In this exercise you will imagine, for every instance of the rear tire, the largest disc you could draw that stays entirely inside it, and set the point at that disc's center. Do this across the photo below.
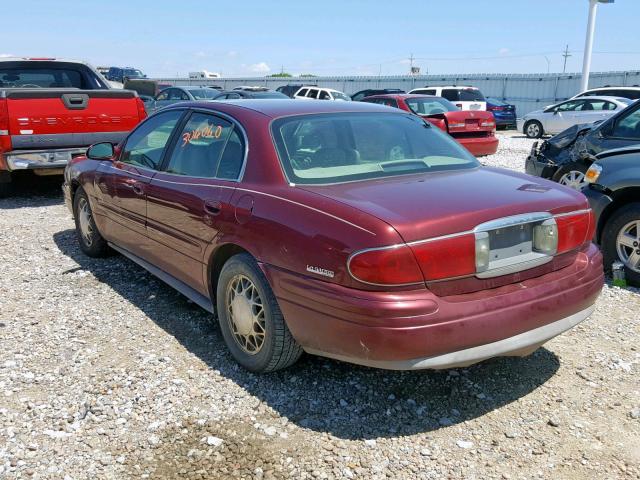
(624, 220)
(533, 129)
(6, 184)
(89, 238)
(250, 319)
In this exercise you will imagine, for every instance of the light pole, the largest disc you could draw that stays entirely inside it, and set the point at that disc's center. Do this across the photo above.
(588, 45)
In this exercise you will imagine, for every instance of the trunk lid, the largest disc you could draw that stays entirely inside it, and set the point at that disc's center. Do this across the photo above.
(443, 203)
(468, 122)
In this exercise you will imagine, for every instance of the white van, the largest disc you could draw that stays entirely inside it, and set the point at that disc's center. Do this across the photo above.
(317, 93)
(203, 75)
(465, 98)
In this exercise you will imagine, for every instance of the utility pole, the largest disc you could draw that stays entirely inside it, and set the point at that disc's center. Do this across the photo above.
(411, 64)
(566, 55)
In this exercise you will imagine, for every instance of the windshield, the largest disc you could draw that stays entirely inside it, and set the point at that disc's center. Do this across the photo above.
(342, 147)
(430, 105)
(339, 96)
(204, 94)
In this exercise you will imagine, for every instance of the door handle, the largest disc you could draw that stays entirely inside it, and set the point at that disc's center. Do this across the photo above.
(137, 189)
(213, 207)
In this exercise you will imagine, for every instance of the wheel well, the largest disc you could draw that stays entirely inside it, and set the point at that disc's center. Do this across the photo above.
(74, 187)
(219, 258)
(620, 199)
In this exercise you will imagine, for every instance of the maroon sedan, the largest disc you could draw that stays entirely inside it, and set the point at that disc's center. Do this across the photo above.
(475, 130)
(344, 229)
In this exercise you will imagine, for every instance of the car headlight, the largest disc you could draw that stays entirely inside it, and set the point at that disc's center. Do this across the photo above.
(593, 173)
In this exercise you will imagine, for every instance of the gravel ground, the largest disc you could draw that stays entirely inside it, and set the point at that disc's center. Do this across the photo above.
(105, 372)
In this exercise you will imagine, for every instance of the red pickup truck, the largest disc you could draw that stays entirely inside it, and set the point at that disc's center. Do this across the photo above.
(52, 110)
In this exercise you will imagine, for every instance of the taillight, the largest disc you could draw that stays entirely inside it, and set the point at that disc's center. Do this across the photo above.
(574, 230)
(446, 257)
(386, 266)
(142, 112)
(5, 139)
(495, 108)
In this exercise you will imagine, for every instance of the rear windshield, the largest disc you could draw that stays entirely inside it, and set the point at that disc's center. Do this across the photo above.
(204, 94)
(342, 147)
(463, 95)
(25, 77)
(430, 105)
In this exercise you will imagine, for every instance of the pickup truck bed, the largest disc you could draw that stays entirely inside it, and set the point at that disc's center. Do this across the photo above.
(42, 127)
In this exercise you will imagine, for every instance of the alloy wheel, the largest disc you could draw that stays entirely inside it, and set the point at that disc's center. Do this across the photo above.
(245, 314)
(533, 130)
(628, 245)
(574, 179)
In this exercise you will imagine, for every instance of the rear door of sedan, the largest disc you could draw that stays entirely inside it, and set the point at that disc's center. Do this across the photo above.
(189, 199)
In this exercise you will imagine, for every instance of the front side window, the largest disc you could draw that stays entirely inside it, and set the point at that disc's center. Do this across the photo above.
(302, 93)
(334, 148)
(146, 144)
(628, 126)
(313, 93)
(324, 95)
(340, 96)
(199, 148)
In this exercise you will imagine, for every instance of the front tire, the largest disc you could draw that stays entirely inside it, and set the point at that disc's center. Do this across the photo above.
(572, 175)
(533, 129)
(250, 319)
(89, 238)
(621, 241)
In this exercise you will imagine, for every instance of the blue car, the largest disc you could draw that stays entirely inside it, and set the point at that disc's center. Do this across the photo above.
(504, 113)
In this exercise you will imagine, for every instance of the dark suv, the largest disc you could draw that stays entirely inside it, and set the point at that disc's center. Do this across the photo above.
(356, 97)
(614, 194)
(118, 74)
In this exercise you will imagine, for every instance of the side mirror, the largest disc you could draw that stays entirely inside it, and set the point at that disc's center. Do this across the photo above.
(101, 151)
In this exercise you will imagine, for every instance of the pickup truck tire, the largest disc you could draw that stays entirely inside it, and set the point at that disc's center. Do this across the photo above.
(6, 184)
(252, 324)
(620, 220)
(91, 242)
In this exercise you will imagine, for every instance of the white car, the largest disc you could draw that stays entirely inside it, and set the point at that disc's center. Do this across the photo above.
(465, 98)
(318, 93)
(632, 93)
(556, 118)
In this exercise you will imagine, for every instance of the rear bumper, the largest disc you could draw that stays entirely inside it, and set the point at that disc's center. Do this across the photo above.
(503, 119)
(41, 159)
(480, 146)
(417, 329)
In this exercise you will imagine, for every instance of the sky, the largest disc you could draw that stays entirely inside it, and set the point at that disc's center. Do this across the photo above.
(347, 37)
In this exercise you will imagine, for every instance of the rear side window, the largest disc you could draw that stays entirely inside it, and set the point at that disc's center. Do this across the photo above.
(303, 92)
(200, 146)
(313, 93)
(146, 144)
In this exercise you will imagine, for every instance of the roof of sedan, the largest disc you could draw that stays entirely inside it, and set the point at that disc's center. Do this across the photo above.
(275, 108)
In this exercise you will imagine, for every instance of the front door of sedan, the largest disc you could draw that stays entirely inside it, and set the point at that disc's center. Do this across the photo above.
(562, 116)
(189, 199)
(123, 183)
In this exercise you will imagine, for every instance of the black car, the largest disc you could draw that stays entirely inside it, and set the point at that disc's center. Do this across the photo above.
(291, 89)
(566, 157)
(237, 94)
(613, 191)
(356, 97)
(122, 74)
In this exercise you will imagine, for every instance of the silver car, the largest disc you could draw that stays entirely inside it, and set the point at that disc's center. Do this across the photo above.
(556, 118)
